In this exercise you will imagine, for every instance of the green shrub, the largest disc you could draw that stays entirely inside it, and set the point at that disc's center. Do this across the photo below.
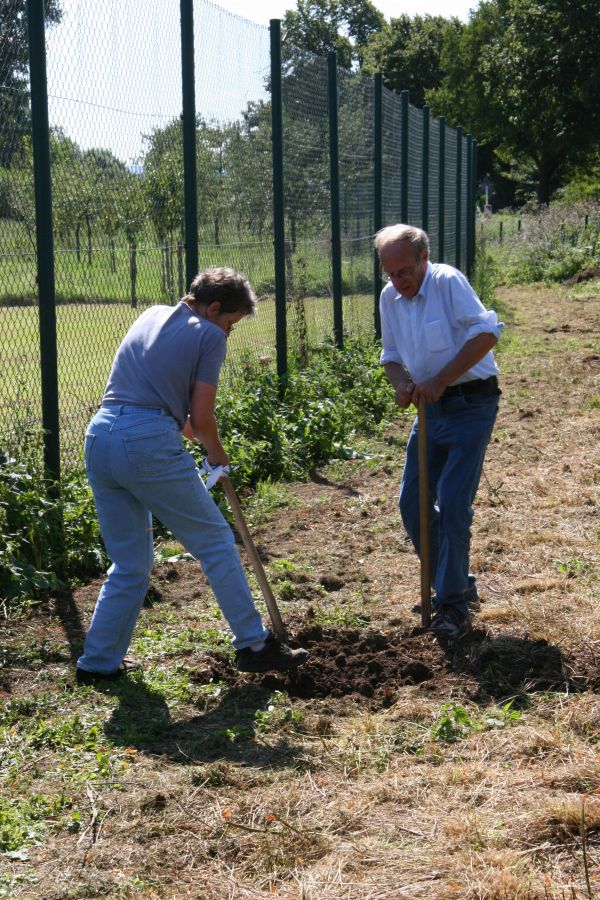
(280, 435)
(46, 534)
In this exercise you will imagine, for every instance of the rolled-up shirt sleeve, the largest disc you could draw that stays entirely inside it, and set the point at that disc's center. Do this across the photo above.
(389, 350)
(470, 312)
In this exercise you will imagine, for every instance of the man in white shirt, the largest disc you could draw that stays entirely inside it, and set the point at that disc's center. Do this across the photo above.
(437, 342)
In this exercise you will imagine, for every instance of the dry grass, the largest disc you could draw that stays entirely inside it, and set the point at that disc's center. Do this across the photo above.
(352, 799)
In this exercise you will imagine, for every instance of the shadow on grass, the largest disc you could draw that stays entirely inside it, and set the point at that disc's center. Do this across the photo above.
(515, 666)
(66, 611)
(225, 731)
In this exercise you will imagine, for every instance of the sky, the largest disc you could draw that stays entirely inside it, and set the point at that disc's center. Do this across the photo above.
(262, 10)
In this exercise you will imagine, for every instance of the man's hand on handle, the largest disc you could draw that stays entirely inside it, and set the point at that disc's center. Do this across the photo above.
(429, 390)
(403, 394)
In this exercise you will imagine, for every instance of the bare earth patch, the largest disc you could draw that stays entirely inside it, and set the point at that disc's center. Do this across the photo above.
(384, 768)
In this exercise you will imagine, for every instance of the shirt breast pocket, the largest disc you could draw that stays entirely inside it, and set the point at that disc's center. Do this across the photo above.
(435, 338)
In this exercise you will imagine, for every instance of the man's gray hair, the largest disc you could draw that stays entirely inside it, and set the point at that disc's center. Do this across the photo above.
(230, 288)
(393, 234)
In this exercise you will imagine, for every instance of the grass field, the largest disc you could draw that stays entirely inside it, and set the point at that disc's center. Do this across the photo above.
(103, 275)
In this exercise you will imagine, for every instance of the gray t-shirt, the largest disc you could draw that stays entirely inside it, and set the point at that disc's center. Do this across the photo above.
(164, 353)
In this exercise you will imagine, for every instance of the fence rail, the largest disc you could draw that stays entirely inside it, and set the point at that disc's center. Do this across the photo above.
(145, 142)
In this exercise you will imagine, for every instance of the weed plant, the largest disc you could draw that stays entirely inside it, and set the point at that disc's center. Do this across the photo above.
(282, 435)
(551, 245)
(47, 533)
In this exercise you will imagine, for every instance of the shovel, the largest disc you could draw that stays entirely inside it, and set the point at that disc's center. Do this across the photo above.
(236, 509)
(424, 517)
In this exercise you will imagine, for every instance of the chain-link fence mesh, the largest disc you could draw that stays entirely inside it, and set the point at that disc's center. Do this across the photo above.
(306, 198)
(114, 71)
(415, 166)
(434, 189)
(20, 384)
(234, 163)
(355, 128)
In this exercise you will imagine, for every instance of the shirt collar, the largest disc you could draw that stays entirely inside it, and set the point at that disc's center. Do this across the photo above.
(422, 292)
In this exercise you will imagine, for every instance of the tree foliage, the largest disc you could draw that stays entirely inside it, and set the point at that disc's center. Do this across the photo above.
(408, 53)
(341, 25)
(14, 74)
(523, 76)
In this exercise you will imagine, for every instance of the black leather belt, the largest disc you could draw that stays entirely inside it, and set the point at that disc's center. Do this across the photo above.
(486, 386)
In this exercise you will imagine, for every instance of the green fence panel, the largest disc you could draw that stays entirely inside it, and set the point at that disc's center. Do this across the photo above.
(434, 188)
(357, 189)
(117, 179)
(415, 166)
(450, 223)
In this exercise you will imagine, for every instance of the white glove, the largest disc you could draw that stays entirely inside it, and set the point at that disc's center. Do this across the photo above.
(213, 472)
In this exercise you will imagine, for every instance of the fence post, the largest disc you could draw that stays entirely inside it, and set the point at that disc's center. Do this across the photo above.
(404, 158)
(474, 206)
(44, 235)
(378, 190)
(458, 237)
(278, 200)
(188, 118)
(425, 167)
(470, 205)
(442, 192)
(334, 172)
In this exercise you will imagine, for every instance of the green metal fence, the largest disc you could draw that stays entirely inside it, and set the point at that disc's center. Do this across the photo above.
(142, 142)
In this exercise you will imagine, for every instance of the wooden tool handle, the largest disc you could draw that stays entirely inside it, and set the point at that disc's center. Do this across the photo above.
(234, 503)
(424, 517)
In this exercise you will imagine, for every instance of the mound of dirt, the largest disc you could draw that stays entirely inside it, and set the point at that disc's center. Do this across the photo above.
(367, 664)
(589, 274)
(372, 665)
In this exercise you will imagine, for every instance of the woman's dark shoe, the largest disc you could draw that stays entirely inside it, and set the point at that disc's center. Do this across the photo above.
(82, 676)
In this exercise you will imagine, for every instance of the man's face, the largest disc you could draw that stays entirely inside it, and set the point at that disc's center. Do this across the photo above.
(405, 270)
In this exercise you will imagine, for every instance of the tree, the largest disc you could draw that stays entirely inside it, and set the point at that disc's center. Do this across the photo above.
(163, 187)
(523, 77)
(408, 53)
(341, 25)
(14, 74)
(249, 163)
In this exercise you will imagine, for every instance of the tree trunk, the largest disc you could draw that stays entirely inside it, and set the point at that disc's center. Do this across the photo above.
(78, 241)
(133, 273)
(113, 256)
(180, 267)
(163, 270)
(546, 170)
(217, 240)
(89, 239)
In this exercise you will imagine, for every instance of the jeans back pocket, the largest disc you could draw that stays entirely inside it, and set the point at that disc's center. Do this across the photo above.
(88, 443)
(146, 452)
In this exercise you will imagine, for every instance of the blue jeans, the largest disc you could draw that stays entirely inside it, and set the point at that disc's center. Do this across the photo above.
(137, 466)
(458, 432)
